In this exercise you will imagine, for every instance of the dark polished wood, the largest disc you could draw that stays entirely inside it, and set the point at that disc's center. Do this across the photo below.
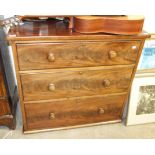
(66, 78)
(56, 30)
(114, 24)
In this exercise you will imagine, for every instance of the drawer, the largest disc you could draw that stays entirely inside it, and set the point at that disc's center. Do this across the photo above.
(70, 112)
(62, 55)
(65, 83)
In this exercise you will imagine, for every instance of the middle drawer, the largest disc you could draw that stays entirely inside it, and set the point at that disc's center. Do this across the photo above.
(66, 83)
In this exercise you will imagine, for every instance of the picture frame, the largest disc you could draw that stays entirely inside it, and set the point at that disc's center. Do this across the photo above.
(147, 59)
(141, 107)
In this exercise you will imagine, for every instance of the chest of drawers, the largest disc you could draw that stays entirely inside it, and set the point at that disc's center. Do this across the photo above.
(66, 79)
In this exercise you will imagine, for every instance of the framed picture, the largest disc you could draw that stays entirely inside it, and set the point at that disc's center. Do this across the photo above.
(141, 107)
(147, 60)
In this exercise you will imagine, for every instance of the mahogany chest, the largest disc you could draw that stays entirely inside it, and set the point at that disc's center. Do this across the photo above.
(67, 79)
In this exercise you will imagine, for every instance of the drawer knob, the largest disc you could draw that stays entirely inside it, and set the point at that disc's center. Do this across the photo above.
(101, 111)
(106, 83)
(51, 87)
(51, 57)
(52, 115)
(80, 72)
(112, 54)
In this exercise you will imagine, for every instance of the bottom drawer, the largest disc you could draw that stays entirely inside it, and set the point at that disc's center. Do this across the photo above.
(71, 112)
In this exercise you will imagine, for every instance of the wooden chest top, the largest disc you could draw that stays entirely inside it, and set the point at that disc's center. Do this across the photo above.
(55, 29)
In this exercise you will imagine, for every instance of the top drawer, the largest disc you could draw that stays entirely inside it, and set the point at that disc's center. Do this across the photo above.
(76, 54)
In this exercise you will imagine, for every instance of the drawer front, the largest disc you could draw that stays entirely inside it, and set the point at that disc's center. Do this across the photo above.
(65, 83)
(70, 112)
(61, 55)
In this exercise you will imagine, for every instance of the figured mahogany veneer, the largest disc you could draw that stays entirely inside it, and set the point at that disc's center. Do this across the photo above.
(70, 112)
(62, 55)
(68, 83)
(67, 79)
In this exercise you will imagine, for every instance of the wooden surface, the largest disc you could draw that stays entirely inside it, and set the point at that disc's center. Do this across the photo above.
(57, 30)
(76, 82)
(70, 112)
(92, 71)
(9, 121)
(2, 86)
(4, 107)
(79, 54)
(4, 104)
(127, 25)
(115, 24)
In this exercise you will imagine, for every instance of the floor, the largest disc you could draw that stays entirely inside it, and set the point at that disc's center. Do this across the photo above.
(110, 131)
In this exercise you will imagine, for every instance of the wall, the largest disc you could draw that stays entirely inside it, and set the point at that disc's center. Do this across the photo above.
(70, 7)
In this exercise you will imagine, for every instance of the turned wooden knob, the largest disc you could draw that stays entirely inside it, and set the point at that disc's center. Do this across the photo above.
(80, 72)
(51, 57)
(101, 111)
(112, 54)
(51, 115)
(51, 87)
(106, 82)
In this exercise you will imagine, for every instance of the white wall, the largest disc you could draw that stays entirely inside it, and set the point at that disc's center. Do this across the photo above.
(149, 24)
(70, 7)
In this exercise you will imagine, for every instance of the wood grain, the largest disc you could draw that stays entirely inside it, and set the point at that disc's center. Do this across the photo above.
(4, 107)
(2, 86)
(38, 56)
(70, 112)
(76, 82)
(127, 25)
